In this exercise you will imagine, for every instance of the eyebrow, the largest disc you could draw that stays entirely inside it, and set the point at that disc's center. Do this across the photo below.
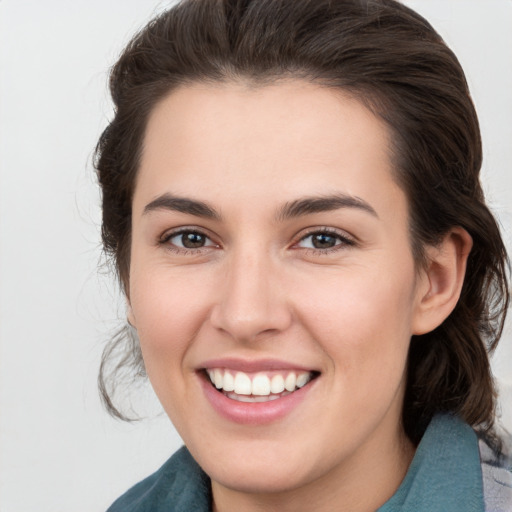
(296, 208)
(309, 205)
(182, 205)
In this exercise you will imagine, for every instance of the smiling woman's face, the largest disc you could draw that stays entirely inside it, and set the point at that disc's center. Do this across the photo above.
(270, 240)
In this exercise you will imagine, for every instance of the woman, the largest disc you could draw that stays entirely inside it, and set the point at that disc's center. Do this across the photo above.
(291, 197)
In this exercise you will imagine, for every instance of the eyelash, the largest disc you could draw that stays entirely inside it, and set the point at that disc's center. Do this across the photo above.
(344, 240)
(167, 237)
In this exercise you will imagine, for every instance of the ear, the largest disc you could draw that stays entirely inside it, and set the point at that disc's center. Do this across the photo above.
(441, 281)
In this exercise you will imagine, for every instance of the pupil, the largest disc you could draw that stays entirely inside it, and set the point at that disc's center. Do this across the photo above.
(192, 240)
(323, 241)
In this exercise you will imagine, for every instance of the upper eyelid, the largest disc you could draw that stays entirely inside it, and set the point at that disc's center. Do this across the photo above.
(324, 229)
(170, 233)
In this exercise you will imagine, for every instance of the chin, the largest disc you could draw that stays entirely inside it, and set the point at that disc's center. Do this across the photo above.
(260, 478)
(261, 466)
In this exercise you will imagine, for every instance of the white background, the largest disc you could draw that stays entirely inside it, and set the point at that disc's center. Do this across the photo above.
(59, 451)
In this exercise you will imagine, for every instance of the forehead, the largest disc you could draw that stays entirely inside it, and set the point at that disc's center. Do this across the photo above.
(293, 136)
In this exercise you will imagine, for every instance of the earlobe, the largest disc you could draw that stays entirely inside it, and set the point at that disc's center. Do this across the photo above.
(129, 314)
(442, 280)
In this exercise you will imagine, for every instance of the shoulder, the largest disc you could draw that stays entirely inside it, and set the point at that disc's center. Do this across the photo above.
(496, 476)
(178, 486)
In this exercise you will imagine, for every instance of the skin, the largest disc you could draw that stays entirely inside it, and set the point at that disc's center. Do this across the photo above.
(258, 289)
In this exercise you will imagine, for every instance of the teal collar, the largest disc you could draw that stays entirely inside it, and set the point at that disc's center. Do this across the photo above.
(445, 474)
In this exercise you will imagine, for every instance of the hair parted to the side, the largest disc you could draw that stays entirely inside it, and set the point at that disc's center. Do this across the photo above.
(392, 60)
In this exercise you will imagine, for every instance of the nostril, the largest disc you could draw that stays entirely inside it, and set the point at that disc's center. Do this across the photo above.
(250, 324)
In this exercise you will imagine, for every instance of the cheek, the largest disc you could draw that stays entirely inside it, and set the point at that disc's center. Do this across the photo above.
(363, 324)
(168, 310)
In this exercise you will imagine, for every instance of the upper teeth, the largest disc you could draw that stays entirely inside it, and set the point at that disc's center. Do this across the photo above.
(259, 384)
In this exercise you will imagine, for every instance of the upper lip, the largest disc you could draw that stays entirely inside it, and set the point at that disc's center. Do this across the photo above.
(251, 366)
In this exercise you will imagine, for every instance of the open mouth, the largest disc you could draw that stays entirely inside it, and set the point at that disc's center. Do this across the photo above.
(260, 386)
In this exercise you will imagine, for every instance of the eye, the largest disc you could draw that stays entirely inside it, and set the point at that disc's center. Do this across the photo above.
(187, 239)
(324, 240)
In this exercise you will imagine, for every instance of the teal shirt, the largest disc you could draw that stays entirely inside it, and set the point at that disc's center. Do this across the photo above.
(445, 476)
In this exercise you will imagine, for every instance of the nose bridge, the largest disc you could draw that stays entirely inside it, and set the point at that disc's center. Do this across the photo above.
(250, 302)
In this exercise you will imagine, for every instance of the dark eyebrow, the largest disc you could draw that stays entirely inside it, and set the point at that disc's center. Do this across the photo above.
(309, 205)
(183, 205)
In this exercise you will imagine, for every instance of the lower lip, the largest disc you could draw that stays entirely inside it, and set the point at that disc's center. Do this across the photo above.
(253, 413)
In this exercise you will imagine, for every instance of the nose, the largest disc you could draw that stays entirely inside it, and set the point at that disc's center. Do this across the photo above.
(252, 301)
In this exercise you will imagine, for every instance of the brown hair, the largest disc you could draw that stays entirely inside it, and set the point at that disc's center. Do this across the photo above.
(388, 57)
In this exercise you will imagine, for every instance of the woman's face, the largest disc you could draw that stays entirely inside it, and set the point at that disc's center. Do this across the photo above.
(271, 250)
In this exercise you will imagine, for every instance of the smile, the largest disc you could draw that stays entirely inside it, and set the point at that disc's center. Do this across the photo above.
(256, 392)
(260, 386)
